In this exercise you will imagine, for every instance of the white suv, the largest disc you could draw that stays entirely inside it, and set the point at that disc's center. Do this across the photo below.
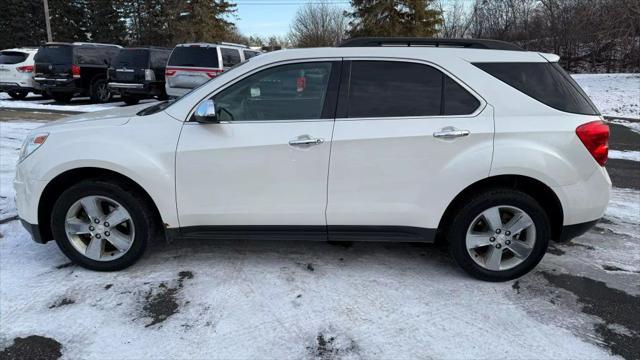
(494, 151)
(191, 65)
(16, 72)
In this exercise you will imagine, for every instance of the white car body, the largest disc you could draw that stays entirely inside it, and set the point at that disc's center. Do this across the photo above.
(380, 172)
(13, 77)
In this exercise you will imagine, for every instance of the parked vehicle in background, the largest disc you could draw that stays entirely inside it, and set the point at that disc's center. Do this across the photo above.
(481, 144)
(65, 70)
(191, 65)
(138, 73)
(16, 72)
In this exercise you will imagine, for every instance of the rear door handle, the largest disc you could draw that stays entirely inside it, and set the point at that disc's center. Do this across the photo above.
(451, 133)
(306, 140)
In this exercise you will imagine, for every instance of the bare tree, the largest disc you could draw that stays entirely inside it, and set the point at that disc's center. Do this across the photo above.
(456, 18)
(317, 24)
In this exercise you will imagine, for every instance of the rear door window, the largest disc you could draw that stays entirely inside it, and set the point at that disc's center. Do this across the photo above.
(12, 57)
(230, 57)
(132, 59)
(194, 56)
(394, 89)
(457, 100)
(55, 54)
(545, 82)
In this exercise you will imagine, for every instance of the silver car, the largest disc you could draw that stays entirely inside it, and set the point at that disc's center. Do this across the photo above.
(191, 65)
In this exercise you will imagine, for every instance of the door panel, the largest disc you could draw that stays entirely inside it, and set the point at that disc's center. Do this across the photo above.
(404, 163)
(267, 162)
(248, 174)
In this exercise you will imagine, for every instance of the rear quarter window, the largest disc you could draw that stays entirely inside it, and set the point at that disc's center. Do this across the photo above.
(230, 57)
(12, 57)
(545, 82)
(194, 56)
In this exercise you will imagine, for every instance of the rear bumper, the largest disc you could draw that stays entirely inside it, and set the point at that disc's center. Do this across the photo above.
(7, 86)
(65, 85)
(573, 231)
(176, 92)
(140, 89)
(34, 231)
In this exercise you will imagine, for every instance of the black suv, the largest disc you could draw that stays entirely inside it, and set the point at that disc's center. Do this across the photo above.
(138, 73)
(67, 69)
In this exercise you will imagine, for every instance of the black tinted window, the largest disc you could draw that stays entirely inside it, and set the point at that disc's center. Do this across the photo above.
(194, 56)
(249, 54)
(457, 100)
(287, 92)
(55, 54)
(12, 57)
(545, 82)
(132, 59)
(95, 55)
(391, 89)
(159, 58)
(230, 57)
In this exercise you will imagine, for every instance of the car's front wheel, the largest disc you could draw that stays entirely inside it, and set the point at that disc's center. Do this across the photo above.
(499, 235)
(102, 225)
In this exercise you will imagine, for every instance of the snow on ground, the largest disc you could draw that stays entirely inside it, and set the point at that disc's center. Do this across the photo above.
(613, 94)
(223, 299)
(624, 154)
(81, 104)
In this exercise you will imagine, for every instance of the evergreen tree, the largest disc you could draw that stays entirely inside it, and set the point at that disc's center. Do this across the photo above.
(393, 18)
(105, 24)
(22, 23)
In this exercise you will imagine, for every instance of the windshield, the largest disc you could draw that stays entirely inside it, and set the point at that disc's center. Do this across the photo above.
(195, 56)
(55, 54)
(132, 58)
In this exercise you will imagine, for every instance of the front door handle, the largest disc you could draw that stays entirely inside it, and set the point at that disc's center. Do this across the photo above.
(451, 133)
(306, 140)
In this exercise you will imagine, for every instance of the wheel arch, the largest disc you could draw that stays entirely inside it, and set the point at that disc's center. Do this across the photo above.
(68, 178)
(533, 187)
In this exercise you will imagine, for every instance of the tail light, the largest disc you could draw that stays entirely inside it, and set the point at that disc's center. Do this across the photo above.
(25, 69)
(214, 73)
(169, 72)
(149, 75)
(75, 71)
(595, 137)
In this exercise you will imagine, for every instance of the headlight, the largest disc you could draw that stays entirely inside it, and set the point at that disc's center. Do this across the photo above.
(31, 144)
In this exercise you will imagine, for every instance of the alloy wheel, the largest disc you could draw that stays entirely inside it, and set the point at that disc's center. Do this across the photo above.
(99, 228)
(501, 238)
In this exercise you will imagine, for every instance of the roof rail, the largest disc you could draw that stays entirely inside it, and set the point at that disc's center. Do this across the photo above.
(94, 44)
(233, 44)
(416, 41)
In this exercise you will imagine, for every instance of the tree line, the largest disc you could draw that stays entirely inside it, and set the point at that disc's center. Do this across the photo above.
(589, 35)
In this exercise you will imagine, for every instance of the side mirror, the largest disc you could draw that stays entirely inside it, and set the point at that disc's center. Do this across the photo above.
(206, 112)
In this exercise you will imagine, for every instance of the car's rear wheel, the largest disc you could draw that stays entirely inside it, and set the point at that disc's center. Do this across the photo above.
(18, 94)
(61, 96)
(499, 235)
(102, 225)
(100, 92)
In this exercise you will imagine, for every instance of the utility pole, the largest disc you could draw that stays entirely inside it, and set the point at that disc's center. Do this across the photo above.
(46, 20)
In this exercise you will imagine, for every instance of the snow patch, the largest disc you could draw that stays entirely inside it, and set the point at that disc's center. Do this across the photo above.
(613, 94)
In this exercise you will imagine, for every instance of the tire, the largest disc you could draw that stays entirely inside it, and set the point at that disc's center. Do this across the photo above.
(163, 95)
(139, 228)
(62, 97)
(100, 92)
(476, 261)
(18, 94)
(129, 100)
